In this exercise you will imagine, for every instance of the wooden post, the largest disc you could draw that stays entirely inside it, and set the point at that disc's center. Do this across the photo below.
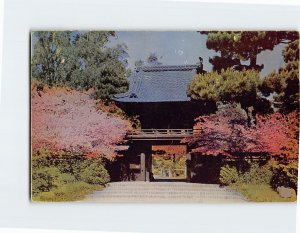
(143, 166)
(148, 166)
(188, 167)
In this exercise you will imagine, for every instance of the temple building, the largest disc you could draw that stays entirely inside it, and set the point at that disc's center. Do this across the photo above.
(158, 96)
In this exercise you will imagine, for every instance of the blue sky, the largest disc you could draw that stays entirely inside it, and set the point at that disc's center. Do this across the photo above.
(182, 47)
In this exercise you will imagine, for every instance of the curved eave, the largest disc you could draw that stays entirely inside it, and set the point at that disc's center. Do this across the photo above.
(149, 101)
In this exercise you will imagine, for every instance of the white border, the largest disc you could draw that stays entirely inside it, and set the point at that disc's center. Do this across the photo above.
(259, 2)
(23, 16)
(1, 39)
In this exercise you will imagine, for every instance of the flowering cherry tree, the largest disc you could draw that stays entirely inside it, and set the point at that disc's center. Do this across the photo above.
(228, 133)
(64, 119)
(279, 133)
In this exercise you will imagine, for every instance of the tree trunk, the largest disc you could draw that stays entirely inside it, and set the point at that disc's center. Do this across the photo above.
(250, 115)
(253, 60)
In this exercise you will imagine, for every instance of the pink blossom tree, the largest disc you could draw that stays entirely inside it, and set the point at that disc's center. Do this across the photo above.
(228, 133)
(279, 133)
(62, 119)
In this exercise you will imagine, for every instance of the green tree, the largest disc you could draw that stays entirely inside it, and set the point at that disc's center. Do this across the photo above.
(284, 83)
(103, 69)
(80, 60)
(237, 46)
(139, 63)
(153, 60)
(49, 63)
(229, 86)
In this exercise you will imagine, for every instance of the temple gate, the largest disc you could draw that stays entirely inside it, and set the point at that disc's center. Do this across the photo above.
(158, 96)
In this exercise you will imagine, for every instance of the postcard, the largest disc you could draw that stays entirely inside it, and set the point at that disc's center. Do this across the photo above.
(164, 116)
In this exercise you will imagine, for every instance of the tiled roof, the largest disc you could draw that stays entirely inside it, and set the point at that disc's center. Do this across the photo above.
(159, 84)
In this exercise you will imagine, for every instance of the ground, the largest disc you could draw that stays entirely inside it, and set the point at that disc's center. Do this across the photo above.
(170, 192)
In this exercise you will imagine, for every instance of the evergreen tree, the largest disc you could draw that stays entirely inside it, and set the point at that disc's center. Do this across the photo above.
(230, 87)
(80, 60)
(227, 86)
(237, 46)
(284, 83)
(153, 60)
(139, 63)
(49, 63)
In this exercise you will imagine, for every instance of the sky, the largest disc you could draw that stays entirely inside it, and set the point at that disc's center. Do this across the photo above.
(182, 47)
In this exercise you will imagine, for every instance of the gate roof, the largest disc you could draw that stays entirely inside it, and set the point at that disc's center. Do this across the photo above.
(159, 84)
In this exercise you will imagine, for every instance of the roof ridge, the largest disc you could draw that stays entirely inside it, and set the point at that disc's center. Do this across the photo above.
(168, 68)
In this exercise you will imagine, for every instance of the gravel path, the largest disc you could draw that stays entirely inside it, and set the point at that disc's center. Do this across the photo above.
(164, 192)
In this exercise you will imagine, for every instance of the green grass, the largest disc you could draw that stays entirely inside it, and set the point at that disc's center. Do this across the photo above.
(260, 193)
(68, 192)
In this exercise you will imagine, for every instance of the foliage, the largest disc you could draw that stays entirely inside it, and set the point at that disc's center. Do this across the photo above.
(236, 46)
(139, 63)
(260, 193)
(256, 174)
(50, 62)
(279, 133)
(79, 60)
(284, 83)
(95, 174)
(228, 175)
(42, 181)
(285, 175)
(153, 60)
(169, 158)
(47, 178)
(227, 133)
(227, 86)
(256, 182)
(64, 119)
(113, 110)
(169, 150)
(175, 166)
(74, 191)
(259, 182)
(53, 172)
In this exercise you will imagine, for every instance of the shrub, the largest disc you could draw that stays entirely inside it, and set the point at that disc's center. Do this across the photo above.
(42, 181)
(260, 193)
(257, 175)
(68, 192)
(285, 175)
(95, 174)
(65, 178)
(228, 175)
(56, 173)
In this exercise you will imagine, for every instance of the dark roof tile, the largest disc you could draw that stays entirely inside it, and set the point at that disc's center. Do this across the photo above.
(159, 84)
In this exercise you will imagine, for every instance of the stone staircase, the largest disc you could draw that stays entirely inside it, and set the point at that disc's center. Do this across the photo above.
(164, 192)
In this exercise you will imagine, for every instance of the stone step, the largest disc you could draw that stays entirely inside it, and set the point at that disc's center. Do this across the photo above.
(164, 192)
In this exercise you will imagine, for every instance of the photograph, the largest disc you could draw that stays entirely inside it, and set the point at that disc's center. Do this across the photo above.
(164, 116)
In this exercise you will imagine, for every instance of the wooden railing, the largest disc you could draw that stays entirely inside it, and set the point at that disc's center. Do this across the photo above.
(159, 133)
(163, 131)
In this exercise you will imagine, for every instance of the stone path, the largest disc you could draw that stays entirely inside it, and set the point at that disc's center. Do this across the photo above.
(164, 192)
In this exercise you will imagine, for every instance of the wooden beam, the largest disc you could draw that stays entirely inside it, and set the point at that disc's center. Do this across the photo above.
(188, 167)
(143, 166)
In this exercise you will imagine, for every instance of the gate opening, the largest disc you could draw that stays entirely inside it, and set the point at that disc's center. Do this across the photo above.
(169, 162)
